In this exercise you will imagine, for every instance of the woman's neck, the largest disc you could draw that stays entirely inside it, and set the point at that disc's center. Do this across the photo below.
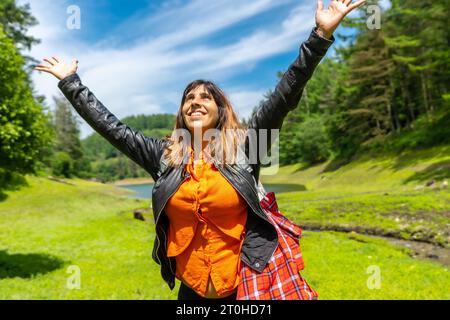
(198, 151)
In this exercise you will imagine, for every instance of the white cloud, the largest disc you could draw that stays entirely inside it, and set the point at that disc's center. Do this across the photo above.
(244, 101)
(149, 75)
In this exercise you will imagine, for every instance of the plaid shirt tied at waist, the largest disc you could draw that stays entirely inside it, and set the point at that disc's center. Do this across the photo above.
(280, 279)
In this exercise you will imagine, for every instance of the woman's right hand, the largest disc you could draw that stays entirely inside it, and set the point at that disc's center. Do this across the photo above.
(57, 67)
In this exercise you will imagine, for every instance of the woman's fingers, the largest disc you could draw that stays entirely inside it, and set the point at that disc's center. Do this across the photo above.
(347, 2)
(56, 59)
(75, 64)
(356, 4)
(319, 5)
(50, 61)
(42, 68)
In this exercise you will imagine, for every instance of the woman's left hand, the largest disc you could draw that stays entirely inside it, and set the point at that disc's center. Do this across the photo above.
(327, 20)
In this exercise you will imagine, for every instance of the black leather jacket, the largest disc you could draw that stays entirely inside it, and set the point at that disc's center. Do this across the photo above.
(260, 238)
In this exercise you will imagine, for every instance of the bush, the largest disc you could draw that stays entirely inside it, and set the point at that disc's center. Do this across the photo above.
(62, 165)
(345, 136)
(306, 141)
(312, 140)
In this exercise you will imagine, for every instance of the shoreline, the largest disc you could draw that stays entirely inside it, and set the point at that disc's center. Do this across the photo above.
(130, 181)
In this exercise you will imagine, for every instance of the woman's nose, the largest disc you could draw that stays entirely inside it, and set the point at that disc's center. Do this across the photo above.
(196, 102)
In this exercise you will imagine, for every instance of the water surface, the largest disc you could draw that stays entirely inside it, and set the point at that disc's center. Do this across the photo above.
(145, 190)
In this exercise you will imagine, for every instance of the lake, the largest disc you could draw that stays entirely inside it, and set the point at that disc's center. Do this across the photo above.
(145, 190)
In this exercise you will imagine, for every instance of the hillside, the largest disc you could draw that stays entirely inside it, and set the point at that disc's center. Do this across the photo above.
(385, 194)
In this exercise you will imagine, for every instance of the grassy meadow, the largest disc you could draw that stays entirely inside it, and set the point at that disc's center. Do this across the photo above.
(48, 228)
(377, 195)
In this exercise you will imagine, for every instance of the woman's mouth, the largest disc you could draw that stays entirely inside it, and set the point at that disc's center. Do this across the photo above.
(196, 114)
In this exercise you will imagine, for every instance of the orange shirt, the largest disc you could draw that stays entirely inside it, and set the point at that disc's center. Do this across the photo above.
(207, 219)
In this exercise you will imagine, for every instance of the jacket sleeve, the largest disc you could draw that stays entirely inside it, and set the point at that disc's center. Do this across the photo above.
(287, 94)
(145, 151)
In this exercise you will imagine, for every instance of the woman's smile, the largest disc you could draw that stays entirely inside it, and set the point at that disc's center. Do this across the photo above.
(196, 114)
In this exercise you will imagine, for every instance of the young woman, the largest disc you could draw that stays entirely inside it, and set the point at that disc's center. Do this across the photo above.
(207, 212)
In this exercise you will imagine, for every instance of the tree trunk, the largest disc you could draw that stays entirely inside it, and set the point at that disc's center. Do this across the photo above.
(407, 100)
(425, 96)
(305, 98)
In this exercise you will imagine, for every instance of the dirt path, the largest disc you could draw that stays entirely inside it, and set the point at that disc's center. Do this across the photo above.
(419, 250)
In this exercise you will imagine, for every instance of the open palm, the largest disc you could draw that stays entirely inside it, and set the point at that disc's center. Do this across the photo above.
(329, 19)
(58, 68)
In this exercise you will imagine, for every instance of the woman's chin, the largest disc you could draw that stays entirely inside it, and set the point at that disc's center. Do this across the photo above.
(199, 124)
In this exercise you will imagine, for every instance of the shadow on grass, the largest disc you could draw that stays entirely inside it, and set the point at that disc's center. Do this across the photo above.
(418, 156)
(336, 164)
(26, 265)
(436, 171)
(10, 182)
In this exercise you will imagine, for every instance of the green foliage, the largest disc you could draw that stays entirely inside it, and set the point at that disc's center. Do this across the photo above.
(24, 127)
(151, 122)
(117, 168)
(424, 133)
(66, 127)
(310, 142)
(344, 133)
(15, 21)
(65, 157)
(313, 141)
(387, 89)
(108, 163)
(62, 164)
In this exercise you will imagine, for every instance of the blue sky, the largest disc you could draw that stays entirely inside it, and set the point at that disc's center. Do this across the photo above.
(137, 56)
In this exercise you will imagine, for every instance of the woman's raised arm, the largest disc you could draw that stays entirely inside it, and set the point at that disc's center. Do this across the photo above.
(145, 151)
(287, 94)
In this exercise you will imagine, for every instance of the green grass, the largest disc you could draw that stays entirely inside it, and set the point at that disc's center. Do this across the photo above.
(337, 267)
(47, 226)
(417, 215)
(384, 195)
(369, 173)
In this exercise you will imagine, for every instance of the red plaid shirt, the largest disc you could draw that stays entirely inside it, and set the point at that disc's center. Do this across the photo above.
(280, 279)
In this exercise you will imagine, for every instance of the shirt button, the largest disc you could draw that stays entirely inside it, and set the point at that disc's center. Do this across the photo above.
(257, 265)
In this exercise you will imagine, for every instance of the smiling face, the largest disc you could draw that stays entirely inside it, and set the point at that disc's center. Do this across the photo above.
(205, 106)
(200, 110)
